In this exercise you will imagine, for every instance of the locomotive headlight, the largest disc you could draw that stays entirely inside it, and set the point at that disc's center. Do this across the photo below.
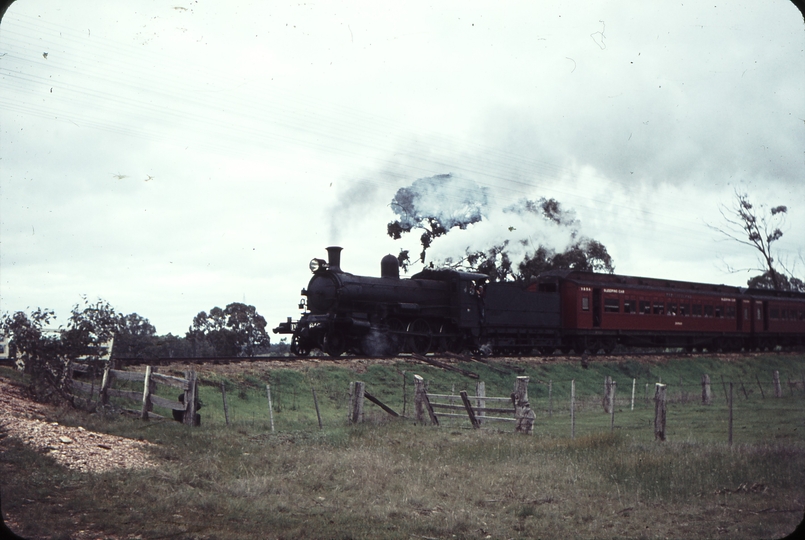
(316, 265)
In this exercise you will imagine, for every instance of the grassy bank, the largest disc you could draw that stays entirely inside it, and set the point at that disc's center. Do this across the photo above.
(394, 479)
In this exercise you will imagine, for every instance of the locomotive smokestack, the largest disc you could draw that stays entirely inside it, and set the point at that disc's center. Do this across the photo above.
(334, 257)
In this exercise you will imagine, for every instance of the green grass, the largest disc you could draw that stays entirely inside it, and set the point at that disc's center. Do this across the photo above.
(394, 479)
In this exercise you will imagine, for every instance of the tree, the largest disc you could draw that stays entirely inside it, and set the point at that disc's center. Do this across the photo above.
(39, 352)
(435, 205)
(89, 328)
(47, 354)
(135, 337)
(237, 330)
(759, 227)
(779, 282)
(586, 255)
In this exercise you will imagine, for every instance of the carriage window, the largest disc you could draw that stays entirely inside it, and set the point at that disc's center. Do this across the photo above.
(612, 305)
(730, 310)
(802, 315)
(697, 310)
(684, 309)
(585, 303)
(645, 308)
(774, 313)
(719, 311)
(708, 311)
(671, 309)
(783, 314)
(629, 306)
(659, 308)
(759, 315)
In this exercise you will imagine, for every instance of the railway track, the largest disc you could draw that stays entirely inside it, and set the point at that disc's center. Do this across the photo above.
(447, 358)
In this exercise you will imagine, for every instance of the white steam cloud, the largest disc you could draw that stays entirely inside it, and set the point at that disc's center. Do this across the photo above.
(477, 221)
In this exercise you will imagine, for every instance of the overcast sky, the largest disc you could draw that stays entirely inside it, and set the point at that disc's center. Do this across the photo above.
(169, 157)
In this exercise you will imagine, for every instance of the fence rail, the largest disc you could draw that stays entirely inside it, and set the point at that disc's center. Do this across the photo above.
(185, 407)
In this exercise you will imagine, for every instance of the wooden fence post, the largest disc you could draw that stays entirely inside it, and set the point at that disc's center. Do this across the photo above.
(634, 384)
(550, 398)
(419, 400)
(147, 389)
(778, 392)
(659, 412)
(270, 408)
(730, 426)
(349, 407)
(707, 393)
(107, 380)
(405, 397)
(190, 399)
(607, 401)
(423, 403)
(480, 393)
(522, 410)
(572, 409)
(724, 385)
(356, 402)
(226, 405)
(316, 404)
(613, 387)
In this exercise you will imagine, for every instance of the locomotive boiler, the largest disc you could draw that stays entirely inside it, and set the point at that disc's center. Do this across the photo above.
(382, 316)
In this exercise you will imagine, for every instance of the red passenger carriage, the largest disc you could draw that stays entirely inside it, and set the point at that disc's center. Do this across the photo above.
(601, 311)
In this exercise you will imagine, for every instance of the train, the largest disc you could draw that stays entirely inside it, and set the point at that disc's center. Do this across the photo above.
(561, 311)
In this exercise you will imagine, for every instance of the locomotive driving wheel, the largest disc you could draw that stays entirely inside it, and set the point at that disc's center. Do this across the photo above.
(334, 344)
(394, 337)
(447, 340)
(419, 336)
(298, 346)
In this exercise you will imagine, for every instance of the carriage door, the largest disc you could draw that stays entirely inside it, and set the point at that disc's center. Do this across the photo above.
(739, 315)
(765, 315)
(596, 308)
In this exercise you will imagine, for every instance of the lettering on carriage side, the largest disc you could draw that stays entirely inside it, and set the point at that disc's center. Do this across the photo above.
(678, 295)
(728, 299)
(585, 289)
(615, 291)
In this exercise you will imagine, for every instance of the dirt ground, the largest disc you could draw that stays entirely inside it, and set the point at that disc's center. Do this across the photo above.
(74, 447)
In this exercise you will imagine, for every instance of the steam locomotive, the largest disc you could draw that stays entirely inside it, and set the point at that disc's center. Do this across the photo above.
(444, 310)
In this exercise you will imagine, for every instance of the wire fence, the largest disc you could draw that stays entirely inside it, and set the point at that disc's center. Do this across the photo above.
(714, 408)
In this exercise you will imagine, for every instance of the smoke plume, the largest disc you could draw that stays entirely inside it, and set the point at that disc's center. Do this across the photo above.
(477, 222)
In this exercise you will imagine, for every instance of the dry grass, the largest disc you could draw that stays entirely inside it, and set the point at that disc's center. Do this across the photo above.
(394, 479)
